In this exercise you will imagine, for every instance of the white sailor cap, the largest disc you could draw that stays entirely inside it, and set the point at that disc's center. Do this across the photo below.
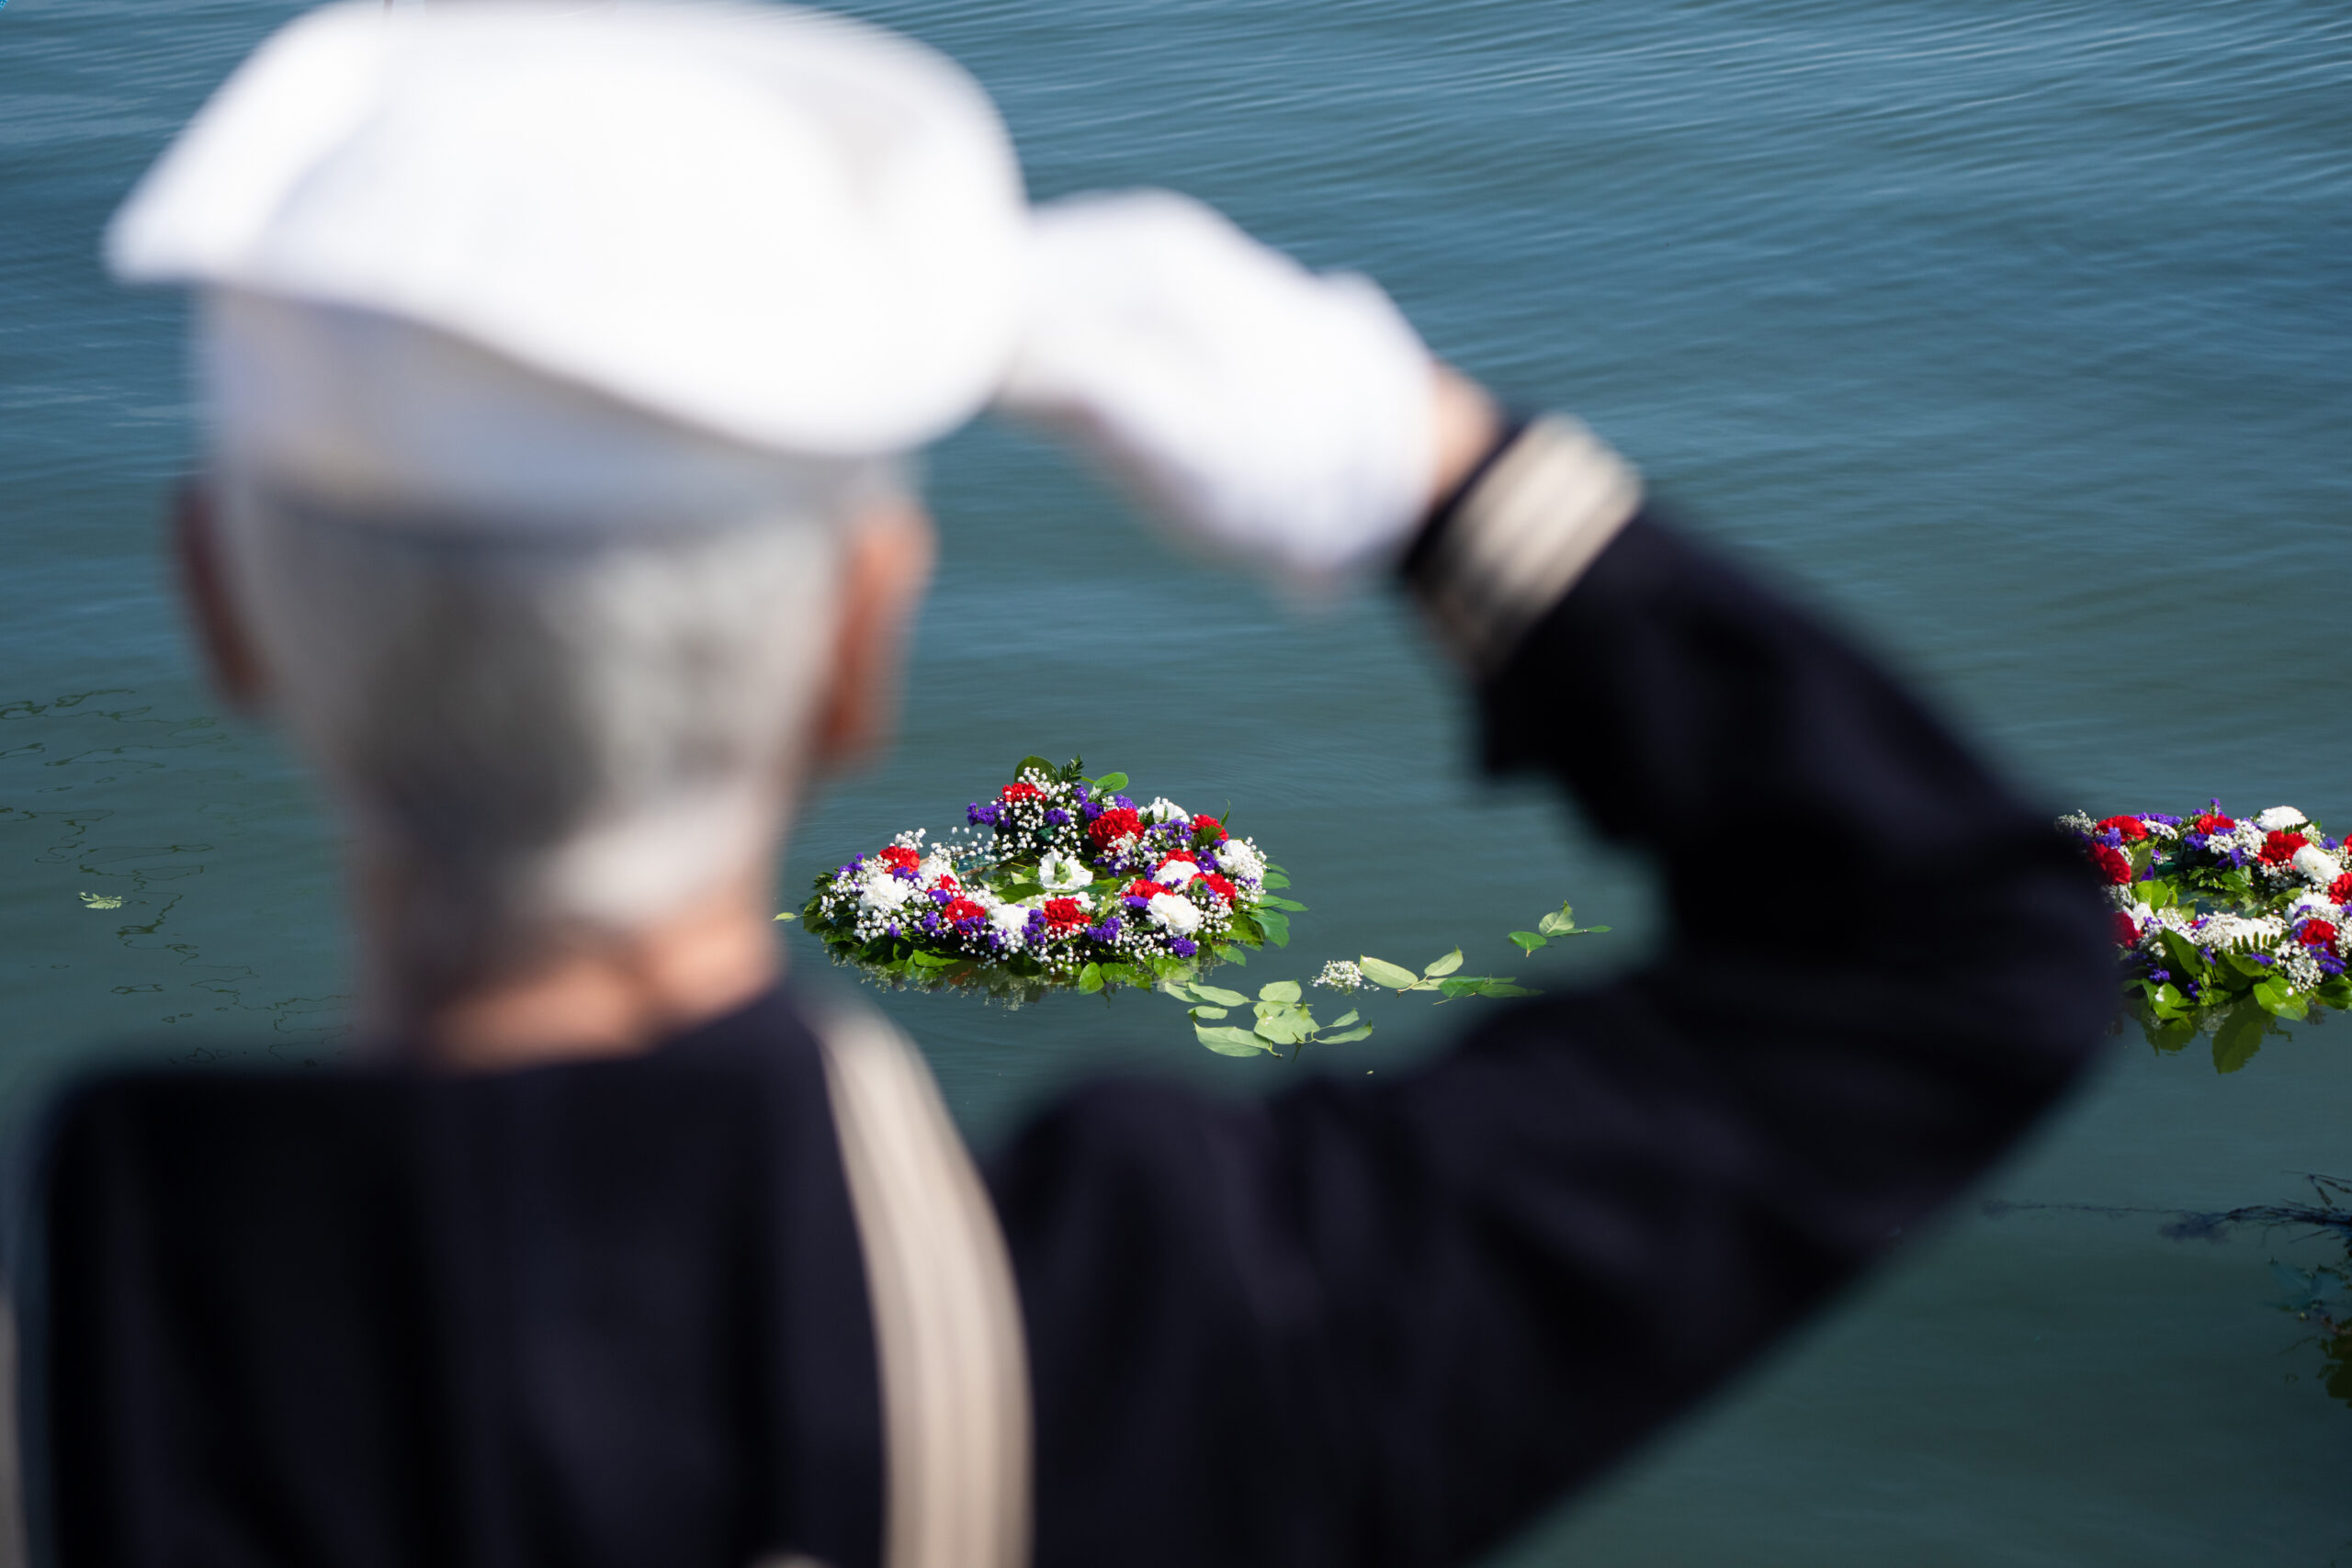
(464, 246)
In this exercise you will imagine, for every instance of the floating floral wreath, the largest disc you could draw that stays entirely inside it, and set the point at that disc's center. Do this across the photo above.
(2225, 923)
(1074, 886)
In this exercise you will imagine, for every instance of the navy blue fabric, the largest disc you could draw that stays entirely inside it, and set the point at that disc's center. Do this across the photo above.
(613, 1314)
(1381, 1323)
(607, 1313)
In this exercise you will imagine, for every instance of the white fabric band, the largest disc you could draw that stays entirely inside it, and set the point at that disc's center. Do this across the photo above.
(946, 1318)
(1519, 541)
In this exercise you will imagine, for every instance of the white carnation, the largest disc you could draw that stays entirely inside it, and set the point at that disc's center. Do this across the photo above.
(1175, 872)
(2278, 819)
(1059, 873)
(2317, 865)
(1163, 809)
(1009, 921)
(1173, 914)
(886, 892)
(1239, 858)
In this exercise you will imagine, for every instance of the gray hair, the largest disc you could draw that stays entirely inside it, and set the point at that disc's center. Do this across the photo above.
(545, 735)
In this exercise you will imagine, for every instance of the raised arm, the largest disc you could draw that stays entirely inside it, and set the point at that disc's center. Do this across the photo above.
(1386, 1324)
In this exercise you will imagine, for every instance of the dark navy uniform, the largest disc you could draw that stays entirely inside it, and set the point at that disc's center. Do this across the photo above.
(632, 1312)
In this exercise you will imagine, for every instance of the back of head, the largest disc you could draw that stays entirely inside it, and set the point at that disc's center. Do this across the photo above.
(562, 704)
(548, 353)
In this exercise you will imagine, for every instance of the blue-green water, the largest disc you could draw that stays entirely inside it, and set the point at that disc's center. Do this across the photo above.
(2019, 334)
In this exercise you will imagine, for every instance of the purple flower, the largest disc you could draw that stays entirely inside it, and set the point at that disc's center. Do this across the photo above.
(1107, 931)
(1091, 809)
(980, 816)
(1122, 800)
(892, 928)
(1184, 947)
(1058, 818)
(2194, 840)
(1138, 904)
(906, 874)
(941, 896)
(931, 923)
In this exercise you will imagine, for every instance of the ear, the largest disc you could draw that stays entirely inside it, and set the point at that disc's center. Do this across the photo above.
(887, 568)
(228, 652)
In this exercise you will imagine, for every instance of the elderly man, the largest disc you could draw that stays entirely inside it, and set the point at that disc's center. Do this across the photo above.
(558, 362)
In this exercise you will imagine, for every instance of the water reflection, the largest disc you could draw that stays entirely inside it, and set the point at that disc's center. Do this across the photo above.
(2318, 1296)
(2235, 1036)
(149, 920)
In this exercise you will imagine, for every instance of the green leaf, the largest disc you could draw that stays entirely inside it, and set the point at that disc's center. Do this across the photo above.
(2239, 1038)
(2182, 957)
(1445, 966)
(2159, 894)
(1344, 1019)
(1208, 1012)
(1110, 784)
(1394, 976)
(1276, 877)
(1343, 1038)
(1276, 927)
(1037, 762)
(1554, 924)
(1283, 1025)
(787, 914)
(1279, 991)
(1232, 955)
(1222, 998)
(1229, 1042)
(1271, 902)
(1529, 941)
(1090, 979)
(1483, 986)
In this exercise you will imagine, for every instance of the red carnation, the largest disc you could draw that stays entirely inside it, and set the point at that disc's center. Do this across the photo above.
(2112, 863)
(2127, 930)
(1021, 789)
(1063, 914)
(2317, 934)
(2280, 848)
(961, 909)
(949, 883)
(1113, 826)
(2210, 823)
(1144, 887)
(2341, 888)
(2131, 828)
(898, 857)
(1207, 831)
(1218, 884)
